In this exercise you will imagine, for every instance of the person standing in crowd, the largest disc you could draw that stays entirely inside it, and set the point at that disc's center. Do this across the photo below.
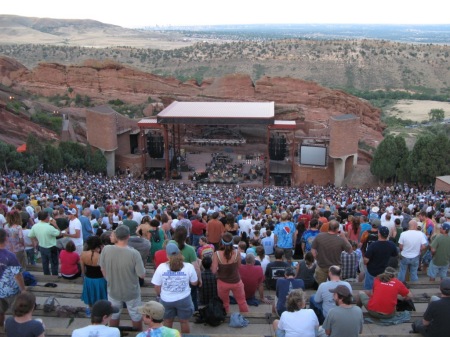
(411, 243)
(208, 289)
(214, 230)
(102, 312)
(226, 262)
(268, 243)
(75, 232)
(45, 232)
(345, 319)
(11, 279)
(285, 238)
(305, 271)
(440, 250)
(22, 323)
(172, 282)
(198, 227)
(86, 226)
(122, 267)
(94, 284)
(153, 316)
(435, 322)
(15, 236)
(377, 256)
(130, 223)
(327, 248)
(309, 235)
(296, 321)
(382, 301)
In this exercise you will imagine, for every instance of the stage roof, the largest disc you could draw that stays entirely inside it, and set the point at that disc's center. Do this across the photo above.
(214, 113)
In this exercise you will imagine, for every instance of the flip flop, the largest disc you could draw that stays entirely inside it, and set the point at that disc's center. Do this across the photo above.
(50, 285)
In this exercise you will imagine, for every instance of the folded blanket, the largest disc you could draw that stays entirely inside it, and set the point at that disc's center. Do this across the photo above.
(399, 318)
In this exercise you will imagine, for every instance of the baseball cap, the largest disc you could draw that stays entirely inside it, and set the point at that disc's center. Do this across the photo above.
(72, 211)
(153, 309)
(341, 290)
(376, 223)
(172, 249)
(445, 286)
(122, 232)
(384, 231)
(103, 308)
(446, 226)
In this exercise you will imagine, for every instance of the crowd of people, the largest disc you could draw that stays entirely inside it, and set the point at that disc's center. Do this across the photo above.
(208, 241)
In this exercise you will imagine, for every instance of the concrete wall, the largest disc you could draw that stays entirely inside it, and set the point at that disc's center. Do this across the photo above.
(123, 143)
(310, 175)
(441, 186)
(344, 136)
(134, 162)
(101, 130)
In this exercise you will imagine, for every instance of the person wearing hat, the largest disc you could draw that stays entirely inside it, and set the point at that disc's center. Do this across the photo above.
(440, 250)
(345, 319)
(122, 267)
(75, 230)
(101, 315)
(382, 300)
(172, 282)
(377, 256)
(153, 316)
(411, 243)
(435, 322)
(285, 286)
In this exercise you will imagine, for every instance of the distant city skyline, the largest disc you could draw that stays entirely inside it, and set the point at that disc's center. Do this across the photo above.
(138, 13)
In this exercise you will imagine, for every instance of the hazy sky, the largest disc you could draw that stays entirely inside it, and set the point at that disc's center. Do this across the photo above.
(138, 13)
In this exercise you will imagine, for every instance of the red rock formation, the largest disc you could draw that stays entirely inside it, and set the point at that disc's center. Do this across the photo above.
(107, 80)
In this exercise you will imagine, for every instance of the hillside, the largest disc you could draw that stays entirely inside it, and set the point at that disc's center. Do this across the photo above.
(361, 64)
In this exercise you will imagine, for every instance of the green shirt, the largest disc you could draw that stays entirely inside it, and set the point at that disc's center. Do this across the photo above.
(132, 225)
(45, 233)
(442, 245)
(188, 252)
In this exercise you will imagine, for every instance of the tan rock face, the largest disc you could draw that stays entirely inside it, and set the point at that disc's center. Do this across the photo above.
(103, 82)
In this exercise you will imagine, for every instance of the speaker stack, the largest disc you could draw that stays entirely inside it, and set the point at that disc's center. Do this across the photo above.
(277, 147)
(155, 146)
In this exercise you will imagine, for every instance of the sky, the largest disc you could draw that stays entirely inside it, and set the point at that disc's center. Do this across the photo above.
(141, 13)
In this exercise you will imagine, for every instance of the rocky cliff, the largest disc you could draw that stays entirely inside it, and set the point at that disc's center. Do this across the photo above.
(103, 81)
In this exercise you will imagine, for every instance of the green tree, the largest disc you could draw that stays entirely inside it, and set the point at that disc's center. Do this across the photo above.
(35, 146)
(402, 171)
(436, 115)
(385, 159)
(73, 155)
(98, 162)
(430, 158)
(53, 161)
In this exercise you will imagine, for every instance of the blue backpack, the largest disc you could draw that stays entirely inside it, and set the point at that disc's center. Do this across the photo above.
(29, 279)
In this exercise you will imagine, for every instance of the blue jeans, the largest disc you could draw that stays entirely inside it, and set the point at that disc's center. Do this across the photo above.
(317, 307)
(437, 271)
(30, 256)
(368, 281)
(195, 241)
(49, 255)
(413, 264)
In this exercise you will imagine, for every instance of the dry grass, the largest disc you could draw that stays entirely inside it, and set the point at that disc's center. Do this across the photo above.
(417, 111)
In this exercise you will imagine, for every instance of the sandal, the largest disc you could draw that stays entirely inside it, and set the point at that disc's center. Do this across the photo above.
(50, 285)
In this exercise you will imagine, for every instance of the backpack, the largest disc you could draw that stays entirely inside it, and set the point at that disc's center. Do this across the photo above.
(213, 313)
(405, 222)
(29, 279)
(155, 236)
(372, 237)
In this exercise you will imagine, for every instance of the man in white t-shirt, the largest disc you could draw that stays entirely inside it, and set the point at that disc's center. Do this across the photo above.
(74, 230)
(411, 243)
(245, 224)
(100, 316)
(389, 223)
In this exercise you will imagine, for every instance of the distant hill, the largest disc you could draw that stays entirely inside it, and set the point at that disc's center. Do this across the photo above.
(362, 64)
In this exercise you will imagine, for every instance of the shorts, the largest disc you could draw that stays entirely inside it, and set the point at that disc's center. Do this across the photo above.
(288, 253)
(6, 303)
(132, 306)
(183, 309)
(437, 271)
